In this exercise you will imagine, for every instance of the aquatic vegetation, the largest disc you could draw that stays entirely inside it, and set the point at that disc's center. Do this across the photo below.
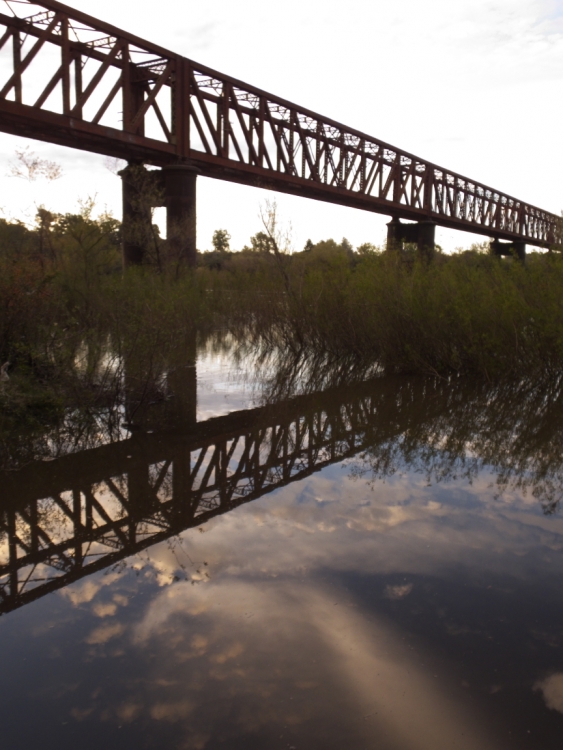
(66, 305)
(468, 312)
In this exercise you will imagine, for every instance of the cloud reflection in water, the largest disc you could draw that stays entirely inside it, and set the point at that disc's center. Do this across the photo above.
(404, 598)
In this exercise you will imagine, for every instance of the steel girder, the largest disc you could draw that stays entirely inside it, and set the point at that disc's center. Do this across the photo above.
(71, 79)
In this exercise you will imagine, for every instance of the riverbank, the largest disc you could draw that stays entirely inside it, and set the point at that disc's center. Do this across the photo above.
(67, 312)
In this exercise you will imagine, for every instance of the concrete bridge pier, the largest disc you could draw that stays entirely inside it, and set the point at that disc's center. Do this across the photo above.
(174, 187)
(138, 186)
(422, 233)
(179, 183)
(517, 248)
(394, 234)
(182, 380)
(426, 239)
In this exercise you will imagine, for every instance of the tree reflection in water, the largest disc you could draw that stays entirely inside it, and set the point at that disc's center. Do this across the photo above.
(454, 429)
(364, 607)
(109, 494)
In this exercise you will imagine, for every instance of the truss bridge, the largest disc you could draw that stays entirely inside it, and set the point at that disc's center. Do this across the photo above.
(64, 519)
(71, 79)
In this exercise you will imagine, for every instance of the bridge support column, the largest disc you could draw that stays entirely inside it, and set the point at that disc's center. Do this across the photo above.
(423, 233)
(515, 249)
(180, 201)
(182, 380)
(426, 239)
(138, 186)
(394, 238)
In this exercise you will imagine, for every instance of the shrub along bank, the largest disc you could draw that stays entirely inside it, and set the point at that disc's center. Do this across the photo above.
(67, 310)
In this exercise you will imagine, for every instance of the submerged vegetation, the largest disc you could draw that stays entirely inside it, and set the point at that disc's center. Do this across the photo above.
(465, 313)
(75, 327)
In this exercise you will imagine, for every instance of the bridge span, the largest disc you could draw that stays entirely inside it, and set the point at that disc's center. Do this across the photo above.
(71, 79)
(64, 519)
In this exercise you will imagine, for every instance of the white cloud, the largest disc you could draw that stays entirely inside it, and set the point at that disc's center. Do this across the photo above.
(104, 609)
(267, 627)
(320, 637)
(84, 591)
(105, 633)
(552, 689)
(403, 527)
(398, 592)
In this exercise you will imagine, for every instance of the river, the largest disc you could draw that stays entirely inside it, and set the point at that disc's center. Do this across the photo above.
(274, 557)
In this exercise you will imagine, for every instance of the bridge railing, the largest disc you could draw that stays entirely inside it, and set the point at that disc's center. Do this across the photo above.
(68, 78)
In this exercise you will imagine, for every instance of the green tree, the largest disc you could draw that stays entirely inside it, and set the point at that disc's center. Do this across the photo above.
(366, 248)
(346, 245)
(261, 243)
(221, 240)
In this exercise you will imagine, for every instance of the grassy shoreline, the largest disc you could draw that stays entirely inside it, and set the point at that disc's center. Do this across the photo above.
(65, 307)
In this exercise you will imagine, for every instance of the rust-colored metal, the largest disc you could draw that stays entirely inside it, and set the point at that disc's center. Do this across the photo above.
(155, 486)
(109, 92)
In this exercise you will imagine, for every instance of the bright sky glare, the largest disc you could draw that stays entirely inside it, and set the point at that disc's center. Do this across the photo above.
(472, 85)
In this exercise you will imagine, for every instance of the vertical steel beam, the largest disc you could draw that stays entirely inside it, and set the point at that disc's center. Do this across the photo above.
(223, 121)
(34, 527)
(65, 64)
(78, 528)
(133, 94)
(221, 472)
(261, 144)
(181, 105)
(78, 85)
(17, 45)
(13, 552)
(126, 89)
(397, 170)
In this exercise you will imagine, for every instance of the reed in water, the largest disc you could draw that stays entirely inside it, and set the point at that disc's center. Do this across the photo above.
(66, 305)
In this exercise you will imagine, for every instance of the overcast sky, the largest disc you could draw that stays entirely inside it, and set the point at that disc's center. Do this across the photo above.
(470, 85)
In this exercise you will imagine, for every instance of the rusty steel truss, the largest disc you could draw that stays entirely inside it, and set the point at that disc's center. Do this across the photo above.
(71, 79)
(65, 519)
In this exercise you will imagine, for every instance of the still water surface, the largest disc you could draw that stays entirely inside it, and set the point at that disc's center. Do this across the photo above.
(370, 566)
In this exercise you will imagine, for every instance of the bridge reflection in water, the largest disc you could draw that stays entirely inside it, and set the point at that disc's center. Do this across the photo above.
(64, 519)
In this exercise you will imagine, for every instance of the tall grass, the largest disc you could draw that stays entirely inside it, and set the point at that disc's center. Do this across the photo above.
(467, 312)
(65, 306)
